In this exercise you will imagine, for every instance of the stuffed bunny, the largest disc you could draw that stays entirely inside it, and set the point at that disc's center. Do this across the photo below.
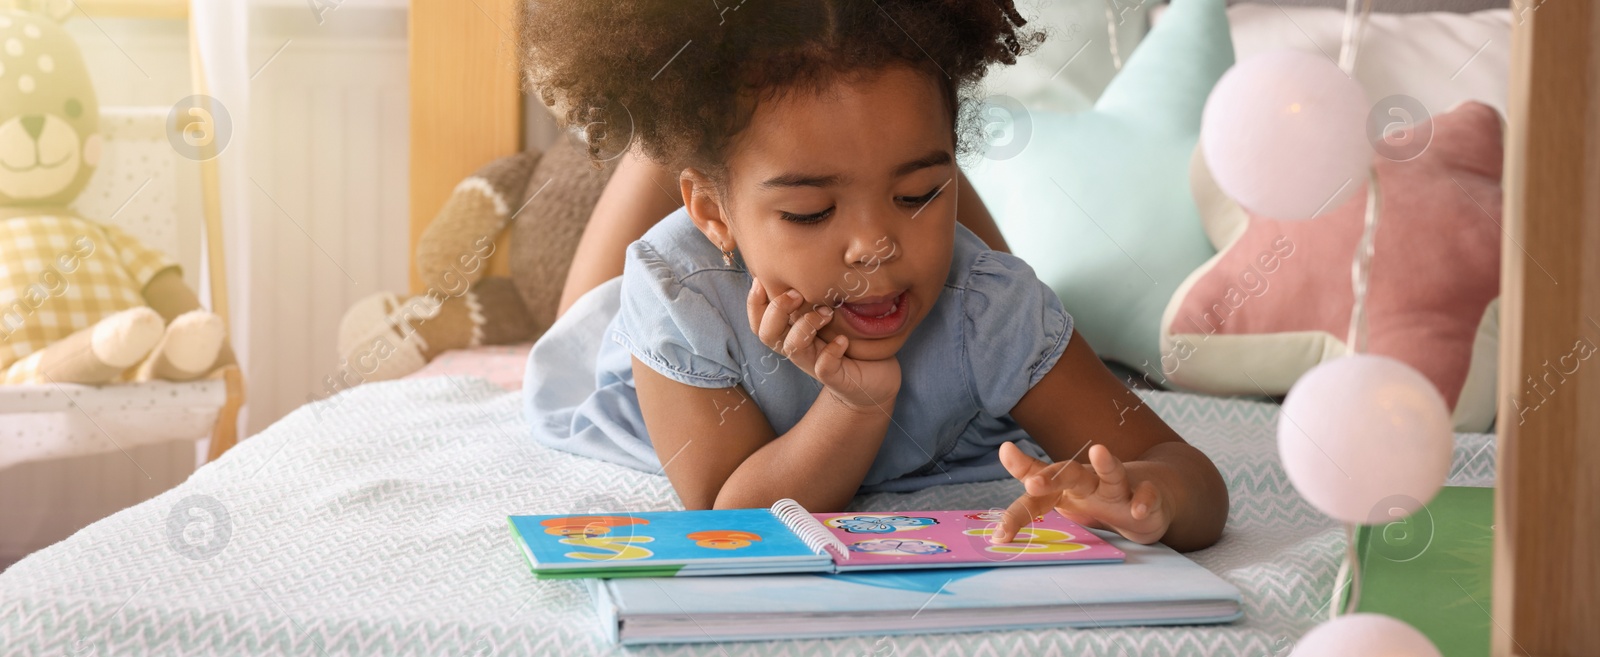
(80, 302)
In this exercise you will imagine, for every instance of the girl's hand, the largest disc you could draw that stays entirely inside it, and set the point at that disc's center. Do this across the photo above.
(1106, 495)
(861, 385)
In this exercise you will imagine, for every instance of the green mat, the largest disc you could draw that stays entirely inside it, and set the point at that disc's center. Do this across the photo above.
(1433, 570)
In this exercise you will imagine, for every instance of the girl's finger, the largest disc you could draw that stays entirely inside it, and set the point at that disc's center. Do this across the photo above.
(829, 367)
(806, 309)
(1071, 477)
(1018, 515)
(1146, 504)
(1086, 520)
(1113, 477)
(775, 322)
(802, 338)
(1018, 462)
(755, 304)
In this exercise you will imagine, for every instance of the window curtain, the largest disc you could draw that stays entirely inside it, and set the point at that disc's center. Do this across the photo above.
(221, 30)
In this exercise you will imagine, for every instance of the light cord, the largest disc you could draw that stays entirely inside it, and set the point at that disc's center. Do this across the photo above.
(1354, 26)
(1111, 33)
(1351, 567)
(1361, 269)
(1360, 274)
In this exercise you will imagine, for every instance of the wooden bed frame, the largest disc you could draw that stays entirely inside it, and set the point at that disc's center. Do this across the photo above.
(466, 109)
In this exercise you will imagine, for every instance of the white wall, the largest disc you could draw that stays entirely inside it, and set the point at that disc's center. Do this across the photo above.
(330, 153)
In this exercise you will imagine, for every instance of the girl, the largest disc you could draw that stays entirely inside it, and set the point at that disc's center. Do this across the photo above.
(814, 323)
(640, 192)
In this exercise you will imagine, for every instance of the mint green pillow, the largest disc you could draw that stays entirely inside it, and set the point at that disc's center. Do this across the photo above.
(1097, 202)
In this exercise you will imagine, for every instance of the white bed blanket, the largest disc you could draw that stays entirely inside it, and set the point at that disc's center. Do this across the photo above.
(374, 523)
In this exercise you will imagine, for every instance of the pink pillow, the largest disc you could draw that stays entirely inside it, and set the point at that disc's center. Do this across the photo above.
(502, 365)
(1276, 299)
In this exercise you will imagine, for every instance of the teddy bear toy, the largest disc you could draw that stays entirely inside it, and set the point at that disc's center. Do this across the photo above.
(80, 301)
(544, 200)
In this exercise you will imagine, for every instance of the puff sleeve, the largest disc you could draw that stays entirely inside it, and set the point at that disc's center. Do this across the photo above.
(1016, 330)
(672, 326)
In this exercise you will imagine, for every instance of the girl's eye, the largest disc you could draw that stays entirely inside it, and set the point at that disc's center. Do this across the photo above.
(919, 201)
(806, 218)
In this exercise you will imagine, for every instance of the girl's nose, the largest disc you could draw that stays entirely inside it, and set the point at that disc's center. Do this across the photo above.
(870, 252)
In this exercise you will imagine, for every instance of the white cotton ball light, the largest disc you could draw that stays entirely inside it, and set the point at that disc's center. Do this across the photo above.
(1366, 635)
(1366, 439)
(1283, 134)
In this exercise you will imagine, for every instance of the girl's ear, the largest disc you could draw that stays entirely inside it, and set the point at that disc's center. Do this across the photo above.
(704, 205)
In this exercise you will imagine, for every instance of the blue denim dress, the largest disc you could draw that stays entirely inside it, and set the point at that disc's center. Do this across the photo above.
(991, 335)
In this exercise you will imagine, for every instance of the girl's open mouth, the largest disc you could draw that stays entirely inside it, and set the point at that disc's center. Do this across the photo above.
(876, 317)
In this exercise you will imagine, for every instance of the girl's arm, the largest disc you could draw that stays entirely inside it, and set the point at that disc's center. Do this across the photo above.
(719, 451)
(1136, 476)
(973, 214)
(641, 192)
(638, 195)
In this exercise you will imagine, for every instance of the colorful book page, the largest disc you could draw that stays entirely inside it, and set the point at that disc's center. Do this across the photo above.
(626, 540)
(931, 539)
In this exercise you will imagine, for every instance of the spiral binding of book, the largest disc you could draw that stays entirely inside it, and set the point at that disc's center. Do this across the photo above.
(804, 525)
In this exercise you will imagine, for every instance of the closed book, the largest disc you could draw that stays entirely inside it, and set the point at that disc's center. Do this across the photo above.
(1153, 586)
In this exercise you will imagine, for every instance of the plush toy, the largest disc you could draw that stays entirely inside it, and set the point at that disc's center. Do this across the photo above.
(80, 302)
(1276, 299)
(545, 200)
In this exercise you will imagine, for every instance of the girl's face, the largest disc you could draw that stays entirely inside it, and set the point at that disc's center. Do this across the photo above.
(849, 197)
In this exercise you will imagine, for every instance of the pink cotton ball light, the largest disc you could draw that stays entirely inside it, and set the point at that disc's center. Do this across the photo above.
(1366, 439)
(1366, 635)
(1283, 134)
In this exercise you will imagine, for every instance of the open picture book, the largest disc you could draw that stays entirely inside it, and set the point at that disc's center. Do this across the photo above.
(788, 539)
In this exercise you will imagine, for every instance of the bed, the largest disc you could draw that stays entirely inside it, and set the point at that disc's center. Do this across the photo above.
(372, 522)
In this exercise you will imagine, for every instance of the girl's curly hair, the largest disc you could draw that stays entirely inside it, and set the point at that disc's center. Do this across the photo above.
(685, 73)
